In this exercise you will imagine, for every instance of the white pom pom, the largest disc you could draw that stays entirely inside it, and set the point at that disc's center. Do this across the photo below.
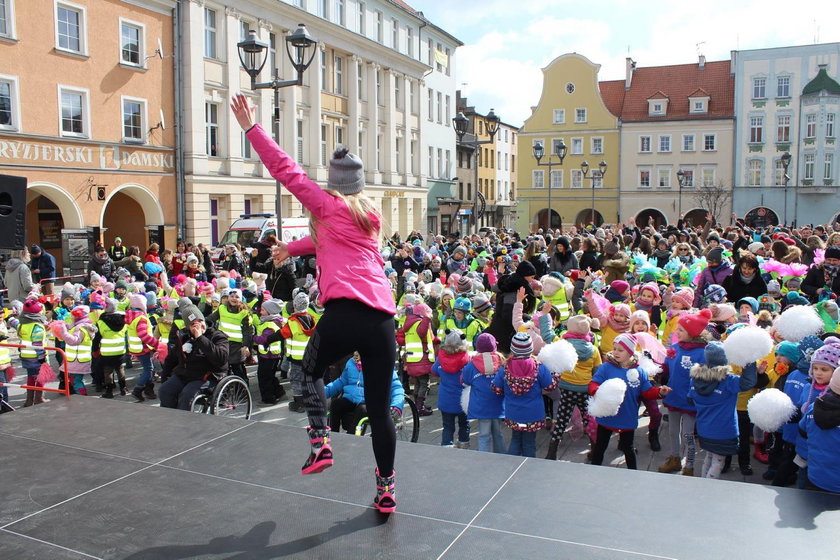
(559, 356)
(632, 375)
(747, 345)
(770, 409)
(649, 366)
(187, 347)
(608, 398)
(465, 399)
(798, 322)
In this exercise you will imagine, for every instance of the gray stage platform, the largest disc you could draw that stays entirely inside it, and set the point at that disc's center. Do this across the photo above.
(90, 478)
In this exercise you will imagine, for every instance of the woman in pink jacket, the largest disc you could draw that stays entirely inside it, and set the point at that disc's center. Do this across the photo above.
(359, 310)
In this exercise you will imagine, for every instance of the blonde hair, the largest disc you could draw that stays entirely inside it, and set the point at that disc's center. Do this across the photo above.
(361, 208)
(681, 245)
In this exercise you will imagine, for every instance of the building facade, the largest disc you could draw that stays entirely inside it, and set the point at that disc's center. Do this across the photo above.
(505, 193)
(786, 100)
(675, 118)
(381, 84)
(90, 125)
(572, 110)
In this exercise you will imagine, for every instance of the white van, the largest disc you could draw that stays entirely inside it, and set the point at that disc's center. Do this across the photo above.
(250, 228)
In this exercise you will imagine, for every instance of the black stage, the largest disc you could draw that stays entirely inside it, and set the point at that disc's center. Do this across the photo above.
(89, 478)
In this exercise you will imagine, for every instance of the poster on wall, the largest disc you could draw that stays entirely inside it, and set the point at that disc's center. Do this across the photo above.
(49, 231)
(76, 251)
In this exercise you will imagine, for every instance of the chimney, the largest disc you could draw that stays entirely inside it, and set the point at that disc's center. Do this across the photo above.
(702, 61)
(629, 68)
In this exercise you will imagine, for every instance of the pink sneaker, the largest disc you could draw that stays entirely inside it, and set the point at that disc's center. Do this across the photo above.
(321, 456)
(386, 495)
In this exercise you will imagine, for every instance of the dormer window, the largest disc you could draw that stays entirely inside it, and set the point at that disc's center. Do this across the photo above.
(657, 104)
(698, 102)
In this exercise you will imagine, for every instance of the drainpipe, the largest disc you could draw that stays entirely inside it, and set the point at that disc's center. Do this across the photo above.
(180, 191)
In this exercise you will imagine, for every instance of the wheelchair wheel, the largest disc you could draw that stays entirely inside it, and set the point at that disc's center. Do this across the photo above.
(408, 428)
(231, 398)
(199, 403)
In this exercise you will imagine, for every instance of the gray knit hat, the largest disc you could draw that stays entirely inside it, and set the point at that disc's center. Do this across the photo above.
(346, 174)
(300, 302)
(273, 306)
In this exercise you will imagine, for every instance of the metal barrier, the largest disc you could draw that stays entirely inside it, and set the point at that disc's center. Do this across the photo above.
(65, 391)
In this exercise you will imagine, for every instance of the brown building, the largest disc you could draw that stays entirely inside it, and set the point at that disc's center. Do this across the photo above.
(87, 108)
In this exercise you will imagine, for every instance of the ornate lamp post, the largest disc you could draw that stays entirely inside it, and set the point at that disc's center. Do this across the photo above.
(560, 152)
(462, 123)
(602, 170)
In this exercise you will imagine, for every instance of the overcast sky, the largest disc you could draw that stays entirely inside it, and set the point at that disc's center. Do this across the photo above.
(507, 43)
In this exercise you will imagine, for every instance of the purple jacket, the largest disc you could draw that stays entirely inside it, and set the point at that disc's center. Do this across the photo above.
(708, 276)
(349, 263)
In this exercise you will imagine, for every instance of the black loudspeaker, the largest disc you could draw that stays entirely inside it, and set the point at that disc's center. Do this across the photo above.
(12, 212)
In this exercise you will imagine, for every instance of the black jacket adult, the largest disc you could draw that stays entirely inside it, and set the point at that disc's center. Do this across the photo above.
(280, 280)
(103, 267)
(44, 263)
(256, 261)
(209, 354)
(815, 279)
(589, 261)
(737, 289)
(563, 262)
(501, 326)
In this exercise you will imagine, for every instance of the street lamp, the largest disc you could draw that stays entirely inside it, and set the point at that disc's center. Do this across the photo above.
(491, 125)
(253, 54)
(560, 152)
(785, 178)
(681, 181)
(602, 170)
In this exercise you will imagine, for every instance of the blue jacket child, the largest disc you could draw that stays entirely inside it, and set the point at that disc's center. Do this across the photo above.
(821, 427)
(352, 384)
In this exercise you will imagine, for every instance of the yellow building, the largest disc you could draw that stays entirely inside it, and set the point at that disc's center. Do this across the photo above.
(573, 110)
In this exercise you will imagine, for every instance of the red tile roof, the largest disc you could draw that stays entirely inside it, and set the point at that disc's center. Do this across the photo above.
(612, 93)
(404, 6)
(678, 83)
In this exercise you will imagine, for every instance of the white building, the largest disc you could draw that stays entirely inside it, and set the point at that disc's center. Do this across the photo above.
(371, 87)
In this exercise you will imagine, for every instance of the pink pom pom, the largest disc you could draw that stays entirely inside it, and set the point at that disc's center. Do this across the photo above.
(46, 374)
(57, 328)
(162, 351)
(10, 374)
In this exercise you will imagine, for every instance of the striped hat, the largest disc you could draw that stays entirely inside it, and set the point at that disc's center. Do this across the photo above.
(626, 341)
(521, 345)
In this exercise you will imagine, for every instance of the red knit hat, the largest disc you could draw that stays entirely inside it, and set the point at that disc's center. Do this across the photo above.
(694, 323)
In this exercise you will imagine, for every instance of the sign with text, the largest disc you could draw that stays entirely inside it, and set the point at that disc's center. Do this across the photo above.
(107, 157)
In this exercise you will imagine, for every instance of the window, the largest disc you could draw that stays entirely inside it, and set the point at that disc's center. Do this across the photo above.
(214, 221)
(414, 157)
(209, 33)
(70, 27)
(709, 142)
(412, 97)
(783, 128)
(657, 108)
(379, 97)
(361, 146)
(829, 160)
(360, 19)
(211, 127)
(556, 179)
(74, 112)
(708, 176)
(133, 116)
(299, 141)
(439, 108)
(811, 126)
(379, 26)
(577, 178)
(9, 105)
(597, 179)
(7, 20)
(688, 178)
(697, 105)
(338, 75)
(688, 143)
(644, 178)
(829, 125)
(244, 28)
(431, 52)
(395, 34)
(338, 12)
(448, 66)
(398, 92)
(448, 164)
(809, 166)
(779, 173)
(664, 180)
(431, 161)
(759, 88)
(580, 115)
(555, 145)
(597, 145)
(538, 178)
(409, 41)
(323, 8)
(446, 118)
(754, 173)
(131, 43)
(559, 116)
(756, 130)
(440, 162)
(272, 54)
(360, 81)
(783, 86)
(644, 144)
(431, 105)
(322, 59)
(577, 146)
(324, 147)
(665, 143)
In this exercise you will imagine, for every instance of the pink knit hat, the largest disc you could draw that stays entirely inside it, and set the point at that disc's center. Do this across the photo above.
(620, 286)
(620, 308)
(640, 315)
(685, 296)
(653, 287)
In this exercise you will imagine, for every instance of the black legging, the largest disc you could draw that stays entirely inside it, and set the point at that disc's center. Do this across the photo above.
(625, 443)
(349, 325)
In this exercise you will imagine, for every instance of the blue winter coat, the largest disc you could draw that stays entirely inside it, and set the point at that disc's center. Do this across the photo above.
(679, 375)
(524, 407)
(352, 384)
(627, 417)
(717, 418)
(449, 392)
(821, 427)
(794, 383)
(484, 402)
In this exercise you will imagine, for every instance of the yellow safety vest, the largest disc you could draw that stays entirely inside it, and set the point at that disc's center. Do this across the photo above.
(25, 333)
(231, 323)
(113, 342)
(560, 302)
(82, 352)
(416, 347)
(135, 345)
(296, 345)
(275, 347)
(5, 356)
(165, 329)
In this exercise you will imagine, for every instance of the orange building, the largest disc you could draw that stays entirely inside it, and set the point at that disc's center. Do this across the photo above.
(87, 108)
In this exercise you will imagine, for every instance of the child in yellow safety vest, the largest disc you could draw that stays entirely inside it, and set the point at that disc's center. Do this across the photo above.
(7, 372)
(109, 347)
(30, 325)
(418, 338)
(78, 341)
(297, 332)
(141, 344)
(233, 318)
(269, 321)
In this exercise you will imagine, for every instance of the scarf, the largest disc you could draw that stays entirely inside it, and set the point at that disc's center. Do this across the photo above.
(746, 279)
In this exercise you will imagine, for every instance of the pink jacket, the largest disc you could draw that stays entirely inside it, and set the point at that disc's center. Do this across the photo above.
(349, 264)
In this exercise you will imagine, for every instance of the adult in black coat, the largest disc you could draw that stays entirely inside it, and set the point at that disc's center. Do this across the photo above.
(824, 277)
(501, 326)
(745, 281)
(561, 258)
(281, 276)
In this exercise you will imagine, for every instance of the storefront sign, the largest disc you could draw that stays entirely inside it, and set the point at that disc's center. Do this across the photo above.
(108, 157)
(394, 194)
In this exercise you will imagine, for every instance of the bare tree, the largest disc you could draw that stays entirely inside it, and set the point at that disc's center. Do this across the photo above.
(714, 198)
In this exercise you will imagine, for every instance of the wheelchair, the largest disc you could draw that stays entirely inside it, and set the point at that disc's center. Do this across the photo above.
(228, 397)
(407, 424)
